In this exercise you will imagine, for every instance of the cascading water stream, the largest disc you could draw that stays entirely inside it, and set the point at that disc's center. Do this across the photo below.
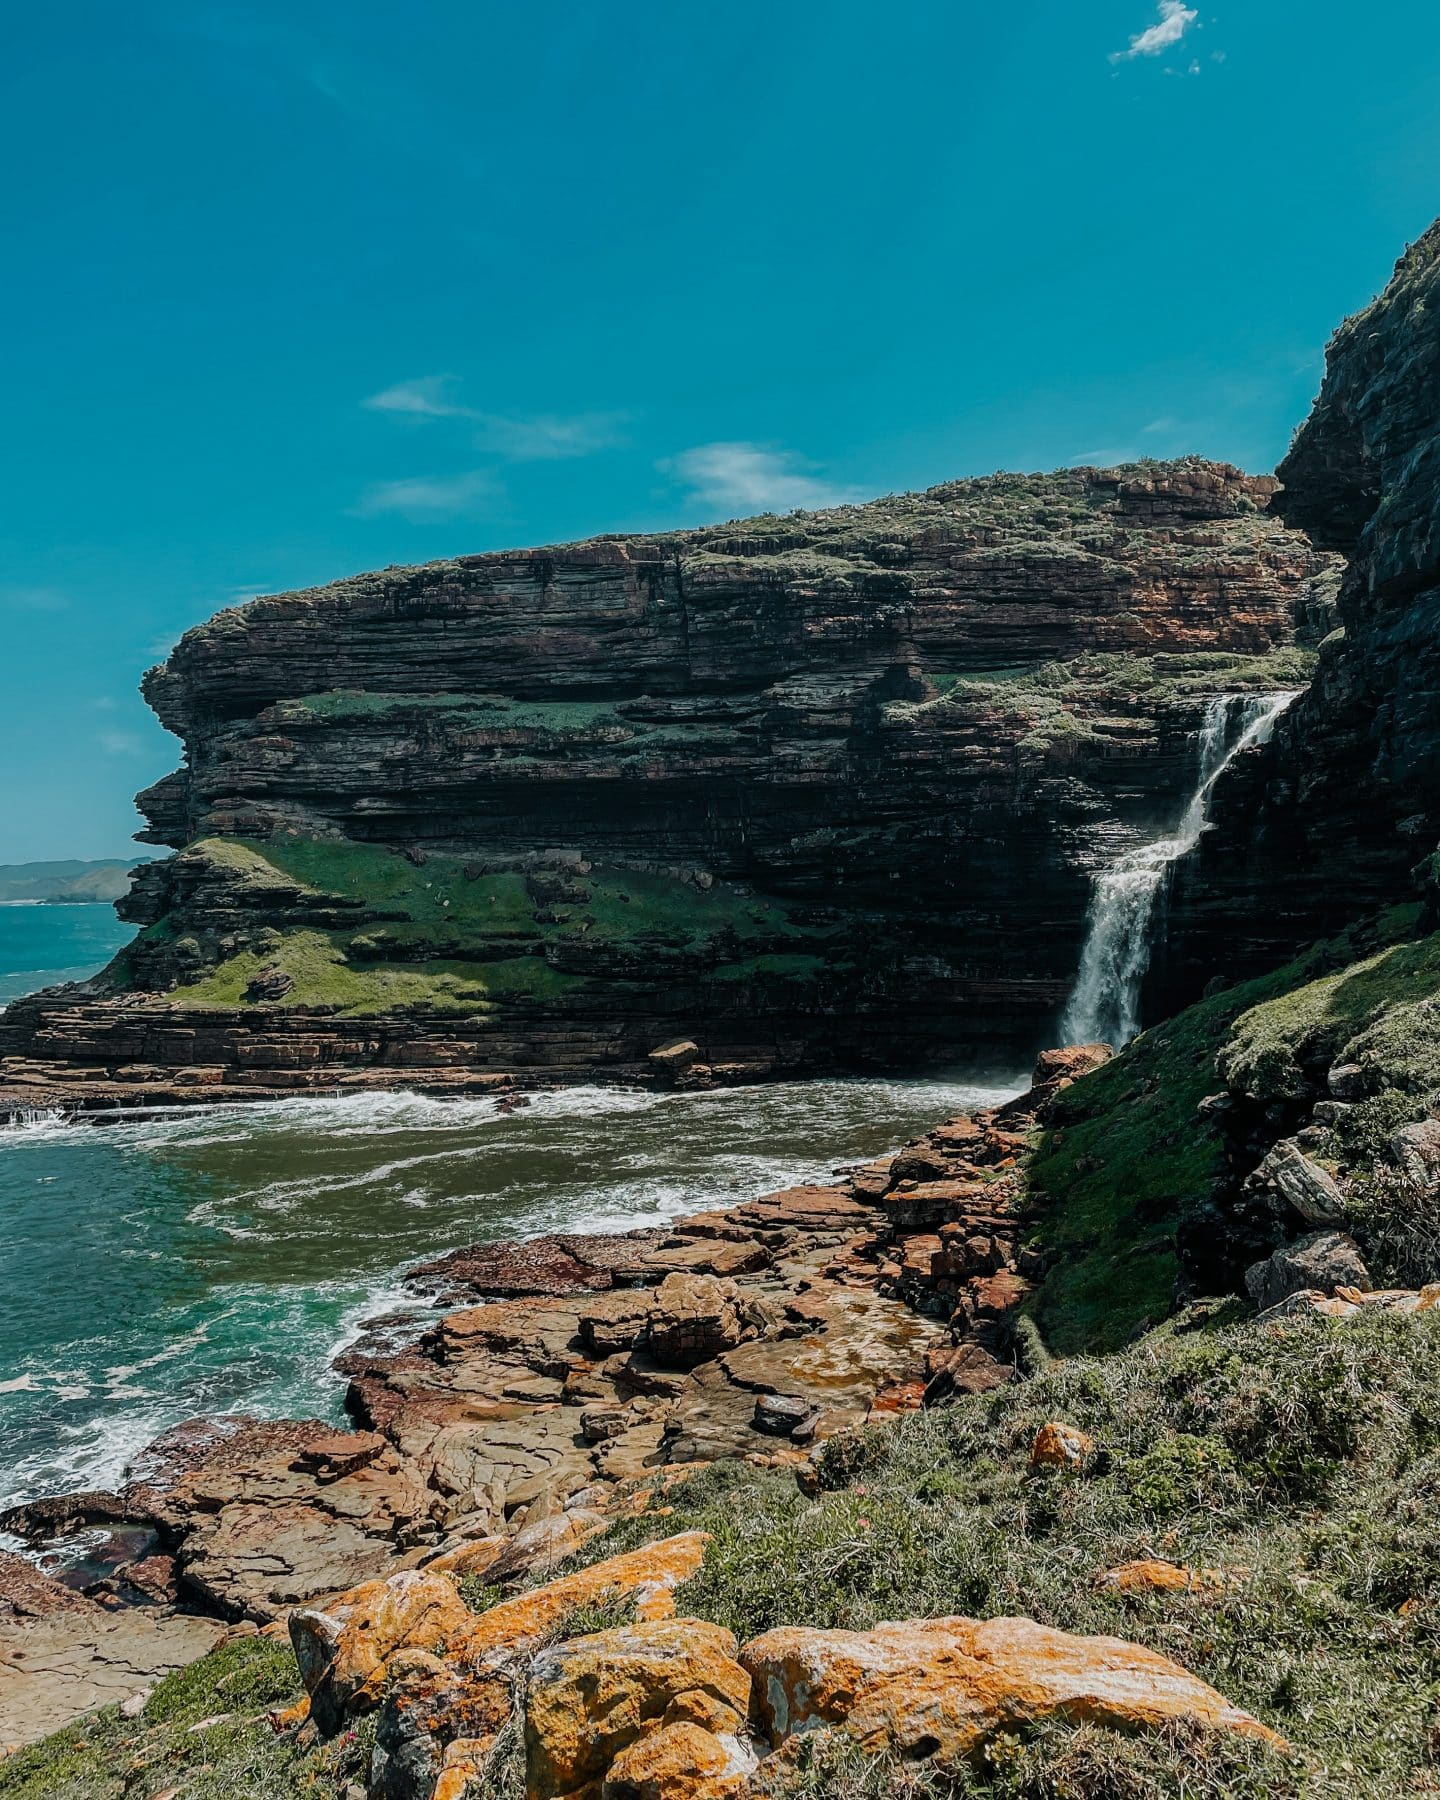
(1119, 939)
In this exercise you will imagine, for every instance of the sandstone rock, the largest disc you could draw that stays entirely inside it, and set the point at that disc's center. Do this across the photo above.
(343, 1654)
(1325, 1259)
(693, 1319)
(1069, 1062)
(681, 1762)
(28, 1593)
(1059, 1446)
(54, 1668)
(941, 1689)
(473, 1557)
(591, 1698)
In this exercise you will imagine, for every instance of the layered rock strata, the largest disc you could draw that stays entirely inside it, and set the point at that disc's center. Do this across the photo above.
(549, 812)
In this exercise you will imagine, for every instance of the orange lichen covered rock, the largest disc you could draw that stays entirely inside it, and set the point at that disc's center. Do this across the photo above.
(592, 1698)
(1060, 1446)
(343, 1653)
(651, 1574)
(346, 1653)
(1149, 1576)
(941, 1688)
(680, 1762)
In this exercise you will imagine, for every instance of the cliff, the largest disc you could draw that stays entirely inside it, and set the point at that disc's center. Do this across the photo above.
(553, 810)
(1328, 823)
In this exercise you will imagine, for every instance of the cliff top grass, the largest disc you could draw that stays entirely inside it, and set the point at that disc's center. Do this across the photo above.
(1381, 1013)
(1302, 1460)
(1126, 1158)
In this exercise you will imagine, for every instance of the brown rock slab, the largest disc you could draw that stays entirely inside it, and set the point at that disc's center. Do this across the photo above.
(940, 1689)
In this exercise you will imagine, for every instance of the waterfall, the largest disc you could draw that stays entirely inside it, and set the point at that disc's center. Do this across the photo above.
(1104, 1004)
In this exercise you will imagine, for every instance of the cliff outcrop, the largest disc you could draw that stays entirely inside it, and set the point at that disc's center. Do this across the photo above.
(1328, 822)
(712, 793)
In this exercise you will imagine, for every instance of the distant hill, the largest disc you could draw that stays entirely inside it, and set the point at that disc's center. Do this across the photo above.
(105, 881)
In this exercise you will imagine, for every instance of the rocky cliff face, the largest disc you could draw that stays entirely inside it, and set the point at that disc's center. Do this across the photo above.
(1328, 823)
(816, 790)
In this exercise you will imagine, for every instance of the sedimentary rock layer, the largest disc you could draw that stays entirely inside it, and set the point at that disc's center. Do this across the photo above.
(814, 791)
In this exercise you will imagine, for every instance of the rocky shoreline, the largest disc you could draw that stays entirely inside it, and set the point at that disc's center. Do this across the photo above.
(577, 1372)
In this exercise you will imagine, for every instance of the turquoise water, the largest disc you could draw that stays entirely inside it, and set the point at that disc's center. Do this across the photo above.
(41, 945)
(217, 1259)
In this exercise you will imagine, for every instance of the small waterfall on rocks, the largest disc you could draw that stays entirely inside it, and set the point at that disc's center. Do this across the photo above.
(1105, 1002)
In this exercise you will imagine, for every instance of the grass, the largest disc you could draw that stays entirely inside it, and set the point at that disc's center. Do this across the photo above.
(1088, 683)
(240, 1757)
(1126, 1158)
(317, 965)
(447, 936)
(1303, 1458)
(1380, 1012)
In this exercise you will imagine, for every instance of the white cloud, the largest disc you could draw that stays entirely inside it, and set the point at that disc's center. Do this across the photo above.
(546, 438)
(747, 478)
(543, 437)
(119, 743)
(34, 599)
(1175, 20)
(425, 398)
(425, 497)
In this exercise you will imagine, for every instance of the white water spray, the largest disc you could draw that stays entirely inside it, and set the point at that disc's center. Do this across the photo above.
(1105, 1002)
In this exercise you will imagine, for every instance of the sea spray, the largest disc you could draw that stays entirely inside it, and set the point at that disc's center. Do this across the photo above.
(1104, 1005)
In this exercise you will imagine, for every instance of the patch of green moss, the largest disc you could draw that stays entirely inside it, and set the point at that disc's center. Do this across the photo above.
(320, 975)
(1380, 1012)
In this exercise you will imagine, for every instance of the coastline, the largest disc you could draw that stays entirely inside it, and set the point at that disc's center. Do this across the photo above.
(577, 1369)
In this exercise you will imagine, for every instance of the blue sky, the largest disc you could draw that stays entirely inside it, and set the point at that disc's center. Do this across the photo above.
(296, 290)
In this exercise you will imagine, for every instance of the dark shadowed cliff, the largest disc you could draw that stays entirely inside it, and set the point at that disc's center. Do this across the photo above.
(1330, 820)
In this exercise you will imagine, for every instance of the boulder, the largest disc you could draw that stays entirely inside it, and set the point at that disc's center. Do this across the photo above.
(593, 1697)
(1325, 1260)
(1309, 1189)
(681, 1762)
(780, 1415)
(1416, 1148)
(344, 1652)
(940, 1689)
(1347, 1081)
(1069, 1062)
(1059, 1446)
(693, 1319)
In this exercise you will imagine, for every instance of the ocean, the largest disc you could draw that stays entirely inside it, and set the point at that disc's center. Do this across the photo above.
(217, 1259)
